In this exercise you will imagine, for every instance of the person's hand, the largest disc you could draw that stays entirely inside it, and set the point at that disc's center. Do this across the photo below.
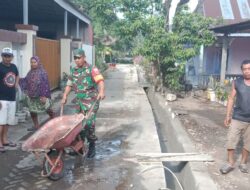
(227, 121)
(64, 100)
(43, 99)
(100, 96)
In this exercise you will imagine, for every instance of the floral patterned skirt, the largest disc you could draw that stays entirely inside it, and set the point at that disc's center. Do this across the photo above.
(36, 106)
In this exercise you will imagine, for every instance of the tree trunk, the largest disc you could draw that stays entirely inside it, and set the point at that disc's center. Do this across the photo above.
(167, 7)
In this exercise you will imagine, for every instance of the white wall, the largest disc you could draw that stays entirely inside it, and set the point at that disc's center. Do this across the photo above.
(89, 53)
(238, 52)
(65, 55)
(27, 51)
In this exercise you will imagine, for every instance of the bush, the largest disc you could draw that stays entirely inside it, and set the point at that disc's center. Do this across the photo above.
(101, 65)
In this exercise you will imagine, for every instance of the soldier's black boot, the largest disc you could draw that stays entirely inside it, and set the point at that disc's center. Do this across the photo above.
(91, 152)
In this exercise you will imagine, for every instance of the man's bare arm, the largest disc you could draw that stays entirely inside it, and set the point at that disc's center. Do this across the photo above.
(101, 88)
(17, 82)
(230, 104)
(65, 94)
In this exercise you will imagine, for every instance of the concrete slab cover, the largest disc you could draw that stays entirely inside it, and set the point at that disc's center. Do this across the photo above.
(129, 105)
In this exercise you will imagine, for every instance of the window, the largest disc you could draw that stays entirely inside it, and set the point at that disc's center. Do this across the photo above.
(244, 9)
(226, 9)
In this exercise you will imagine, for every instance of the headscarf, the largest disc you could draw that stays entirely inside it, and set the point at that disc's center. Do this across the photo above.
(36, 83)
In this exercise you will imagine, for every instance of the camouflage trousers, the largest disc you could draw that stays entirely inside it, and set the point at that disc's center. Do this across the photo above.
(88, 131)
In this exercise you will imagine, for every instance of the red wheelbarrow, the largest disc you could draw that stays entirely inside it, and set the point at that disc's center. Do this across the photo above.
(51, 140)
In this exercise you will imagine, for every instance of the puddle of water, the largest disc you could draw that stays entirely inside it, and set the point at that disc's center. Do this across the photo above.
(77, 168)
(108, 149)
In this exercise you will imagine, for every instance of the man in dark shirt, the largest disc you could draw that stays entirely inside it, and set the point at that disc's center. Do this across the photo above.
(8, 84)
(239, 121)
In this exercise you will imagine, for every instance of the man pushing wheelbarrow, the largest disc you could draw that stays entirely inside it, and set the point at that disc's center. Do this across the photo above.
(70, 131)
(88, 85)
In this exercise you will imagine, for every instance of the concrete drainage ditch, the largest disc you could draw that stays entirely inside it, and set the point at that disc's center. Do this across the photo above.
(173, 138)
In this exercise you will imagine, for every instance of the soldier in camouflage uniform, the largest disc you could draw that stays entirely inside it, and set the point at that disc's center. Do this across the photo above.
(88, 84)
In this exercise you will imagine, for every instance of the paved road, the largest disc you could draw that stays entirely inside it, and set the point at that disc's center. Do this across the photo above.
(125, 126)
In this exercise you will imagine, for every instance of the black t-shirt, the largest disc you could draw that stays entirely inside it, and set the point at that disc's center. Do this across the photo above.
(8, 75)
(242, 108)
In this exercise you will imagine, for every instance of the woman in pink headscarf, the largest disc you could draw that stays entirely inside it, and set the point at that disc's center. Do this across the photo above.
(36, 86)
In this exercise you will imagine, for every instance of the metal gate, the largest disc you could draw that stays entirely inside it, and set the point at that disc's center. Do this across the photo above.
(49, 54)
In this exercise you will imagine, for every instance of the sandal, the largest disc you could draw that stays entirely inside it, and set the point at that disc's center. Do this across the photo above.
(2, 149)
(226, 168)
(10, 144)
(243, 168)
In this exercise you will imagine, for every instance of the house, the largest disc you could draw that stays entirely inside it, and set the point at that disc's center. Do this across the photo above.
(47, 28)
(221, 60)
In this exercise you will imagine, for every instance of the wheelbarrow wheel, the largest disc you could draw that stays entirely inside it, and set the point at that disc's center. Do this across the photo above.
(58, 171)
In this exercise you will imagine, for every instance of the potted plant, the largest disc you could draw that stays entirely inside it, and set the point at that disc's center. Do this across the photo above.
(221, 95)
(224, 97)
(218, 94)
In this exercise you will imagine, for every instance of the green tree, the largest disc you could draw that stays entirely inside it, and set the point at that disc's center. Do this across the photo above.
(193, 31)
(142, 30)
(135, 19)
(104, 14)
(170, 51)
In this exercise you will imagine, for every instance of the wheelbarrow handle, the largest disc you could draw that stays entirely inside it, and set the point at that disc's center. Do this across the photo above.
(89, 112)
(61, 110)
(91, 109)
